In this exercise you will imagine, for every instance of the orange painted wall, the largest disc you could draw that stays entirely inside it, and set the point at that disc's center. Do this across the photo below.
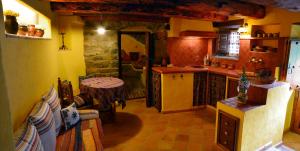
(184, 51)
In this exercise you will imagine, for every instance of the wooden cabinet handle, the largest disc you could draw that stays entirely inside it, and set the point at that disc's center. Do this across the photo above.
(226, 133)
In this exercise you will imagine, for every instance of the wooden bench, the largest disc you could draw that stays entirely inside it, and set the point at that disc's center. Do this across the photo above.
(86, 135)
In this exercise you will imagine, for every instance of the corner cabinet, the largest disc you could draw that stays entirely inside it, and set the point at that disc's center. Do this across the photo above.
(216, 88)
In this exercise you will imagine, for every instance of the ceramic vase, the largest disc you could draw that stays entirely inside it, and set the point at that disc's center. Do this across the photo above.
(11, 24)
(243, 87)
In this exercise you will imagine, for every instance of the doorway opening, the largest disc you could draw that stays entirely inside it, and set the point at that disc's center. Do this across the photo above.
(135, 63)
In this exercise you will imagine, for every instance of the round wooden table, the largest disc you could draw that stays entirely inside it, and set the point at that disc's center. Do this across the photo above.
(105, 89)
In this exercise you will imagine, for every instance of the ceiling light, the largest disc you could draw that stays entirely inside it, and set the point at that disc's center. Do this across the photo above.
(101, 30)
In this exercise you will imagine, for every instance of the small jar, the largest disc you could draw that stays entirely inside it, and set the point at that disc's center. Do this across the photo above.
(23, 30)
(31, 30)
(39, 32)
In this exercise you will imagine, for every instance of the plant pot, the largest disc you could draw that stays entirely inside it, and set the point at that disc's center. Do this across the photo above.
(39, 32)
(11, 24)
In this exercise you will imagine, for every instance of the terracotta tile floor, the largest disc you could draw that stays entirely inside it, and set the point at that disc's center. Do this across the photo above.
(138, 128)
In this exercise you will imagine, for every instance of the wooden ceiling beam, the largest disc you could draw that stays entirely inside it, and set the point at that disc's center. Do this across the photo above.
(133, 9)
(137, 18)
(212, 10)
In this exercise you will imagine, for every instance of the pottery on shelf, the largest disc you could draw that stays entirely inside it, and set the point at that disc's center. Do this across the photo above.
(39, 32)
(11, 24)
(31, 30)
(23, 30)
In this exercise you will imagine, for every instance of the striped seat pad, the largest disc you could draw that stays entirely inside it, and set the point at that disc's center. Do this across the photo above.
(52, 99)
(27, 139)
(86, 135)
(42, 118)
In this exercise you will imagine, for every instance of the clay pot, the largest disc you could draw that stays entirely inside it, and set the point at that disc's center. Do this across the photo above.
(11, 24)
(31, 30)
(23, 30)
(39, 32)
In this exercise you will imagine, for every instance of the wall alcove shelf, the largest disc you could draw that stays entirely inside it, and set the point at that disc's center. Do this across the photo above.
(31, 23)
(25, 37)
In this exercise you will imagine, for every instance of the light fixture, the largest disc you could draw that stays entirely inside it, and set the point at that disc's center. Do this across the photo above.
(243, 28)
(101, 30)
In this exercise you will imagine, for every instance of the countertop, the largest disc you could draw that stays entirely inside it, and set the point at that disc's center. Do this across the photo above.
(233, 102)
(188, 69)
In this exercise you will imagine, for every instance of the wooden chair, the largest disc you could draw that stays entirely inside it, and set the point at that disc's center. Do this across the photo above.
(82, 101)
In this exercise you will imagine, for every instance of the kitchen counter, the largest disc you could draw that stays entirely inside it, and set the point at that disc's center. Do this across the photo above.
(254, 121)
(188, 69)
(233, 103)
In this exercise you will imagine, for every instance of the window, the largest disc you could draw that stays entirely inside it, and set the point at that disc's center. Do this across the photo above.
(228, 44)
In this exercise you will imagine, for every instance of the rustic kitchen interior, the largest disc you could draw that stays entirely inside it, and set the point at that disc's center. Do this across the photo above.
(150, 75)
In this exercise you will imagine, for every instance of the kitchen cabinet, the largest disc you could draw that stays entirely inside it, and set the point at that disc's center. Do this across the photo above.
(200, 84)
(232, 84)
(176, 92)
(156, 80)
(216, 88)
(227, 131)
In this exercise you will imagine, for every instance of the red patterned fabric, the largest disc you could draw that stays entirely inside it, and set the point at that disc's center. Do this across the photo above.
(104, 89)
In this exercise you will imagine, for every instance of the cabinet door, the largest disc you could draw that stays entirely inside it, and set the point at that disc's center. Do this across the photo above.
(217, 88)
(232, 87)
(227, 131)
(200, 82)
(156, 80)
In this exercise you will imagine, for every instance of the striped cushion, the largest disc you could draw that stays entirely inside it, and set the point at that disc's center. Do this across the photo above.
(52, 99)
(42, 118)
(70, 116)
(27, 139)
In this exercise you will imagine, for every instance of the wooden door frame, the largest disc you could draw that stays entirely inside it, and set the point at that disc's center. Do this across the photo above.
(148, 63)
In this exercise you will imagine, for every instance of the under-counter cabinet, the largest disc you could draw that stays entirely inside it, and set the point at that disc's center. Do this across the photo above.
(227, 131)
(156, 81)
(200, 85)
(216, 88)
(176, 92)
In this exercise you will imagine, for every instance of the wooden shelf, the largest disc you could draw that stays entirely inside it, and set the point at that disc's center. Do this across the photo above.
(266, 52)
(257, 38)
(25, 37)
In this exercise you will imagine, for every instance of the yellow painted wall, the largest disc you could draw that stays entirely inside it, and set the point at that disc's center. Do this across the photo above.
(295, 31)
(6, 130)
(177, 92)
(32, 66)
(289, 112)
(178, 24)
(71, 62)
(129, 44)
(277, 16)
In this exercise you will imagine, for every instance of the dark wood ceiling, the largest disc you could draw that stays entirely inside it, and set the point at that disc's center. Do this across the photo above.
(292, 5)
(158, 10)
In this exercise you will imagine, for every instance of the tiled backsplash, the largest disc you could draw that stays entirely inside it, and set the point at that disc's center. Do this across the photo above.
(185, 51)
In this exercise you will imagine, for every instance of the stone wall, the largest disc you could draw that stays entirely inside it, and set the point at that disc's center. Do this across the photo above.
(101, 51)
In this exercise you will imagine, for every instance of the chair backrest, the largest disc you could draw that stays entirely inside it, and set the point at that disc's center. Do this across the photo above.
(65, 90)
